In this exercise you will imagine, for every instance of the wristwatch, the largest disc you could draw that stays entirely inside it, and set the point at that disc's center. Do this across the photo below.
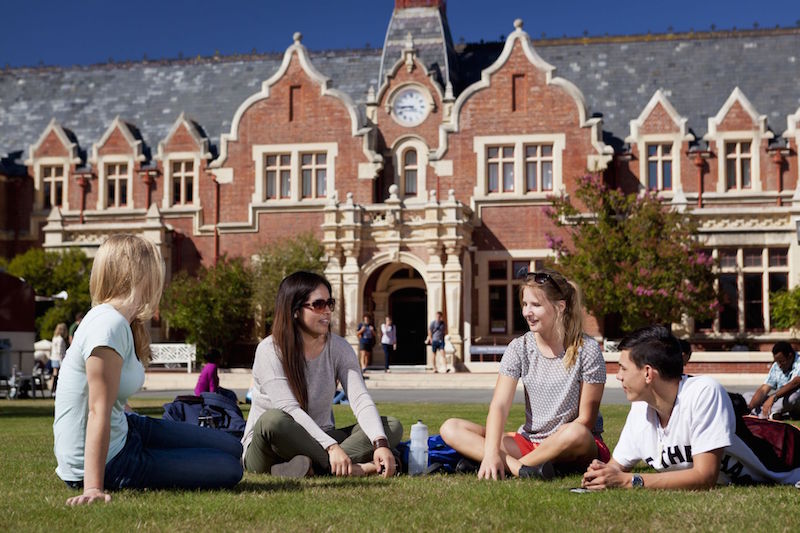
(637, 482)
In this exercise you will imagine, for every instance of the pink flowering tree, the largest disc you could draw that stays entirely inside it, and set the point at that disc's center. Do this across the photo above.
(632, 255)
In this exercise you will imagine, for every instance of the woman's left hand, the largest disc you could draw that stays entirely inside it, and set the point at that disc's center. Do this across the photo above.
(384, 462)
(341, 465)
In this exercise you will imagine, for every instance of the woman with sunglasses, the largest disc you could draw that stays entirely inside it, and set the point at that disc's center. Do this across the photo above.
(563, 373)
(290, 431)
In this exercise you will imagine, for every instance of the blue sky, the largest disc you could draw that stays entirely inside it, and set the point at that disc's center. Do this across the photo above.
(81, 32)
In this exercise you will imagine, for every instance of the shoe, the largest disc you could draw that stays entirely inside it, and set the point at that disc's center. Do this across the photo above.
(543, 471)
(466, 466)
(297, 467)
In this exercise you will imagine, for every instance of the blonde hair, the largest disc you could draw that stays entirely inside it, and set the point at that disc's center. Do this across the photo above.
(128, 270)
(61, 330)
(569, 322)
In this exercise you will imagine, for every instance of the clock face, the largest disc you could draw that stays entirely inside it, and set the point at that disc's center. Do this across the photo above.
(410, 107)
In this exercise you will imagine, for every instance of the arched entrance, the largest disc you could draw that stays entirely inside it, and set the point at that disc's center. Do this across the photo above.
(407, 308)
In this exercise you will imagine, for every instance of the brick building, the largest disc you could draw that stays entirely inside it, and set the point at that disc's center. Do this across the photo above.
(424, 166)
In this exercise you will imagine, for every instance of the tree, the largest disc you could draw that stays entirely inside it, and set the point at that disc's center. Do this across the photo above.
(275, 262)
(49, 273)
(632, 256)
(785, 308)
(211, 308)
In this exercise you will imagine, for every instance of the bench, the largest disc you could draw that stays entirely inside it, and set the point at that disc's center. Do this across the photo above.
(480, 351)
(173, 354)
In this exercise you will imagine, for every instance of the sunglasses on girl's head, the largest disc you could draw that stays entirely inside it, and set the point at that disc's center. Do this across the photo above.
(540, 278)
(318, 306)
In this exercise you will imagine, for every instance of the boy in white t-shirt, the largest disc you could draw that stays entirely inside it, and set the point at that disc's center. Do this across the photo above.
(683, 427)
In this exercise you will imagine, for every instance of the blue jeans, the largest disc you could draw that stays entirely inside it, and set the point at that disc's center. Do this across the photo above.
(166, 454)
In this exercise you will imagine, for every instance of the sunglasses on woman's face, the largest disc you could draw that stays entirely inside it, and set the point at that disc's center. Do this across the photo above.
(318, 306)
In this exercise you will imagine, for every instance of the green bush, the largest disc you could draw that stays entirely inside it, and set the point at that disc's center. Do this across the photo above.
(50, 273)
(785, 308)
(213, 309)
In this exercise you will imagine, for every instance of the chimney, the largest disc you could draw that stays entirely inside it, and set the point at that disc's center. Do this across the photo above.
(405, 4)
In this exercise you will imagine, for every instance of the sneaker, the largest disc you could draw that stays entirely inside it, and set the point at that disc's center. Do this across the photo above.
(543, 471)
(297, 467)
(466, 466)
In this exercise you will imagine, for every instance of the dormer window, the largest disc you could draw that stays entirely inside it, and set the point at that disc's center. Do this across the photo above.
(315, 174)
(117, 184)
(538, 167)
(53, 182)
(659, 167)
(500, 168)
(738, 165)
(182, 182)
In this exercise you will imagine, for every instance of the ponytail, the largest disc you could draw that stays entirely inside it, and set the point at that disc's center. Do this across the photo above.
(572, 321)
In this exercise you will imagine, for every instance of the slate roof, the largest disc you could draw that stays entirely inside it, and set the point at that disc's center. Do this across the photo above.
(617, 76)
(151, 96)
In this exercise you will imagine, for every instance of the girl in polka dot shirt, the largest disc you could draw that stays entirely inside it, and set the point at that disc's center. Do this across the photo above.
(563, 373)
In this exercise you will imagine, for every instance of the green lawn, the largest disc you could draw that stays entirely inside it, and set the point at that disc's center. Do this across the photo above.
(32, 497)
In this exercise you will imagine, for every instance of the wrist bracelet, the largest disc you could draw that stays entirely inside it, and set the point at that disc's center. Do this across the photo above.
(380, 442)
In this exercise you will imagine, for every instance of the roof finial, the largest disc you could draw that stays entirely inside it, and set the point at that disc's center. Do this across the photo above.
(518, 24)
(297, 36)
(409, 45)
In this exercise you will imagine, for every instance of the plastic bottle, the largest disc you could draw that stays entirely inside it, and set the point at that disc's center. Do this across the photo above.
(418, 451)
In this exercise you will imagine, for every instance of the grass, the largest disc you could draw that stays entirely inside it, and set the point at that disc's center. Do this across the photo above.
(32, 497)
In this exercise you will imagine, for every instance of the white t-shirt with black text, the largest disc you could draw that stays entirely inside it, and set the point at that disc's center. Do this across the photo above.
(702, 420)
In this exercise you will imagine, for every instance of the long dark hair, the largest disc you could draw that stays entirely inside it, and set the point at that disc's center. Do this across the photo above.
(286, 334)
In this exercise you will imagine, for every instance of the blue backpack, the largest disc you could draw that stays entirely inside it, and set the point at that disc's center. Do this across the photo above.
(439, 453)
(209, 409)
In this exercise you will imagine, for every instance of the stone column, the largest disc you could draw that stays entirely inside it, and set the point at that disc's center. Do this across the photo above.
(453, 285)
(435, 290)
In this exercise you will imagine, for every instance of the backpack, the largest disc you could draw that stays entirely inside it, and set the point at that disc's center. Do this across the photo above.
(209, 409)
(776, 444)
(441, 457)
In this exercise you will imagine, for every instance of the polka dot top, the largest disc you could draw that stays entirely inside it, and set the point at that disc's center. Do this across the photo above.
(552, 392)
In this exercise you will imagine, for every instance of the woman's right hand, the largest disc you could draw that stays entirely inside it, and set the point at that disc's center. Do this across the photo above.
(89, 496)
(341, 465)
(492, 467)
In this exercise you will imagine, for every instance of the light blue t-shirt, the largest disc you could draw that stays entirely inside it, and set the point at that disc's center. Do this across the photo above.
(776, 378)
(103, 326)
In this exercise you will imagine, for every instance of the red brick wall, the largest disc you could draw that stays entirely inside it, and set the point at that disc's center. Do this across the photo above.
(658, 121)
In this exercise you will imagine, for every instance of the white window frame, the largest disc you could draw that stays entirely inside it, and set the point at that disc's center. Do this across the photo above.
(42, 162)
(167, 199)
(539, 159)
(398, 152)
(102, 181)
(660, 159)
(295, 151)
(481, 145)
(737, 156)
(314, 168)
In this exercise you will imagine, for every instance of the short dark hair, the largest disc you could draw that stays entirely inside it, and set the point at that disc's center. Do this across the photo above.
(655, 346)
(686, 348)
(782, 347)
(212, 356)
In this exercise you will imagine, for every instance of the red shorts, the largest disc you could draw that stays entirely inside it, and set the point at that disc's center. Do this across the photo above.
(526, 446)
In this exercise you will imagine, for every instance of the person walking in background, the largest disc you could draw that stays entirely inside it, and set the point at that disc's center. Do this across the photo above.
(74, 325)
(58, 349)
(388, 341)
(290, 430)
(784, 380)
(98, 443)
(436, 332)
(366, 341)
(564, 374)
(208, 380)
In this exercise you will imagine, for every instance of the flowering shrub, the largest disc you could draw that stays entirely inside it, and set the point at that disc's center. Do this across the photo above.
(632, 255)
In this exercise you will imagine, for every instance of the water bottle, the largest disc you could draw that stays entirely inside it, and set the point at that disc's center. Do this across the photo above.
(418, 452)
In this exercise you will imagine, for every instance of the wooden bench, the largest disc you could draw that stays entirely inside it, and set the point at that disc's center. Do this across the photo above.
(169, 354)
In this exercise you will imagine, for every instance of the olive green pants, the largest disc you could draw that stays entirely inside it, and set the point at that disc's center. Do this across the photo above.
(277, 438)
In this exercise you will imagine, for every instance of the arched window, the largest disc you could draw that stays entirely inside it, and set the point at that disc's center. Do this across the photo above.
(409, 172)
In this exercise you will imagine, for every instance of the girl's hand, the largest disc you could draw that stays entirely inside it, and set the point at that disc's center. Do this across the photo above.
(341, 465)
(384, 462)
(492, 467)
(89, 496)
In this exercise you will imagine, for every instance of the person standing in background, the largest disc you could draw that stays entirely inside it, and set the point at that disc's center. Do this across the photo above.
(436, 338)
(58, 350)
(366, 341)
(388, 341)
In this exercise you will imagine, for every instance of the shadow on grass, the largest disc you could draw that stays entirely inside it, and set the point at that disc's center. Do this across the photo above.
(26, 408)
